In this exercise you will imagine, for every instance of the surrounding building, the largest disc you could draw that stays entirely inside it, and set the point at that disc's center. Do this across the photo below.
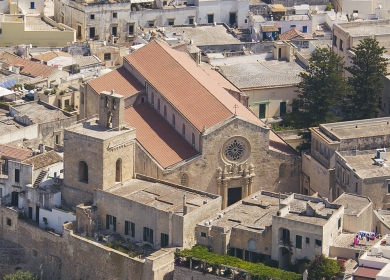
(19, 29)
(318, 164)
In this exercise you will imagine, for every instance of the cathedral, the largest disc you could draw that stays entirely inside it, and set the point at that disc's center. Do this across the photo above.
(164, 116)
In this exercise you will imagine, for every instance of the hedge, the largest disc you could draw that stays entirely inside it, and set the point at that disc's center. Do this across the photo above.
(256, 270)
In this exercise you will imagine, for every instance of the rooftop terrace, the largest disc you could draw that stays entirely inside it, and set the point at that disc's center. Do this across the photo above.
(367, 28)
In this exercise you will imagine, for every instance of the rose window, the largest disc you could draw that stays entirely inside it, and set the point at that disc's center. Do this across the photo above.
(235, 150)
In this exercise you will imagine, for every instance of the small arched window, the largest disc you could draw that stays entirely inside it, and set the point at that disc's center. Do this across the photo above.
(118, 170)
(183, 131)
(165, 111)
(152, 98)
(193, 139)
(184, 180)
(83, 172)
(158, 104)
(107, 101)
(173, 120)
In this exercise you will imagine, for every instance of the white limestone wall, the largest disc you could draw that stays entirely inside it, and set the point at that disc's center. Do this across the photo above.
(55, 218)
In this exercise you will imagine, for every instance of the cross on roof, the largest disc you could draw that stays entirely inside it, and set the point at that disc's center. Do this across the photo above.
(235, 109)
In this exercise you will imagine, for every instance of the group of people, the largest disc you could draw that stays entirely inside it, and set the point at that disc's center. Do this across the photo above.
(363, 235)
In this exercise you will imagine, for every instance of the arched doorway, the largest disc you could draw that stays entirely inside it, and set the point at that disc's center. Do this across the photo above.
(83, 172)
(118, 170)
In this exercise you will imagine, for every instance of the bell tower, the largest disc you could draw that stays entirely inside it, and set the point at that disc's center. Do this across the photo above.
(111, 110)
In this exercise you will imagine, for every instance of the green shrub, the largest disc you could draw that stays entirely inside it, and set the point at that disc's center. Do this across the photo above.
(256, 270)
(20, 275)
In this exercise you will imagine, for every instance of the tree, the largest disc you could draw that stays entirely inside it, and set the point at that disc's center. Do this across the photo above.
(367, 71)
(322, 88)
(323, 267)
(20, 275)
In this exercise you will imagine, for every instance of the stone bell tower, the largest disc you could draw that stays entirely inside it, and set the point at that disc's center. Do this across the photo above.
(111, 110)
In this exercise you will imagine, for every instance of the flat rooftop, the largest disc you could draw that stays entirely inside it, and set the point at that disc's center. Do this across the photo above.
(258, 71)
(367, 27)
(353, 204)
(253, 213)
(363, 164)
(161, 196)
(345, 240)
(39, 112)
(204, 35)
(357, 129)
(92, 129)
(309, 210)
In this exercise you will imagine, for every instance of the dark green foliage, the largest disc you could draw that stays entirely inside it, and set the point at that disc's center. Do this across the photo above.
(20, 275)
(29, 86)
(368, 68)
(257, 271)
(323, 267)
(322, 87)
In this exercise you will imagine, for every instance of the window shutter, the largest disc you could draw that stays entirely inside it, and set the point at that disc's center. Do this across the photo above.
(114, 222)
(107, 222)
(126, 228)
(132, 230)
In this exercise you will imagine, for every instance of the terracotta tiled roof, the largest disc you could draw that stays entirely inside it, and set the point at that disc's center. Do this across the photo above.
(50, 55)
(161, 140)
(293, 33)
(14, 152)
(119, 80)
(8, 57)
(270, 28)
(185, 85)
(33, 69)
(43, 160)
(190, 89)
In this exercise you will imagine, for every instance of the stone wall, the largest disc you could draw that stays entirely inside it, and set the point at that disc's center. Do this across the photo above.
(181, 273)
(52, 256)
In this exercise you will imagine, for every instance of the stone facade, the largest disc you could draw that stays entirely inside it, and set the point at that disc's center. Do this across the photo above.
(69, 256)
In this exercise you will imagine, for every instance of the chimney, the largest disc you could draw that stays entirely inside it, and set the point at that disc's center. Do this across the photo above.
(185, 209)
(42, 148)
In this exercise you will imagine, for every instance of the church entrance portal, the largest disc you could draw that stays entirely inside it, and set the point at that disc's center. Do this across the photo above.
(234, 195)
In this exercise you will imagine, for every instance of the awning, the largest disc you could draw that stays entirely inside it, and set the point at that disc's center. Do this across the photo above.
(259, 102)
(277, 8)
(4, 91)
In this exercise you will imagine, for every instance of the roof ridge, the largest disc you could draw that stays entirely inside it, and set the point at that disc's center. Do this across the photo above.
(196, 78)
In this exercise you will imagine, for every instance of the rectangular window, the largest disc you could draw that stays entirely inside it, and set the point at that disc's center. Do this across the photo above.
(57, 140)
(9, 222)
(114, 15)
(283, 108)
(129, 228)
(107, 56)
(190, 20)
(318, 243)
(34, 253)
(293, 26)
(356, 187)
(164, 240)
(298, 242)
(203, 234)
(148, 235)
(304, 29)
(151, 23)
(32, 5)
(388, 187)
(339, 223)
(92, 32)
(210, 18)
(279, 30)
(131, 29)
(110, 222)
(92, 17)
(17, 175)
(114, 31)
(335, 40)
(171, 22)
(341, 45)
(67, 102)
(1, 192)
(307, 240)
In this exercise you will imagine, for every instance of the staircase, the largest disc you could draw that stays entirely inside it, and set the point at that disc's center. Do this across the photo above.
(39, 179)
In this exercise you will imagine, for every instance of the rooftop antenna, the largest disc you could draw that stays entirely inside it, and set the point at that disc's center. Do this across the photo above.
(235, 109)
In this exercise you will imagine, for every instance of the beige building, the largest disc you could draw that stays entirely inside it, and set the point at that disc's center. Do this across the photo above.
(359, 6)
(348, 35)
(318, 164)
(204, 139)
(243, 230)
(37, 30)
(304, 227)
(154, 213)
(268, 80)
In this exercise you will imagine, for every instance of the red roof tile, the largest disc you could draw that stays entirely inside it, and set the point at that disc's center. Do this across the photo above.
(293, 33)
(42, 160)
(33, 69)
(13, 152)
(195, 93)
(369, 273)
(120, 80)
(161, 140)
